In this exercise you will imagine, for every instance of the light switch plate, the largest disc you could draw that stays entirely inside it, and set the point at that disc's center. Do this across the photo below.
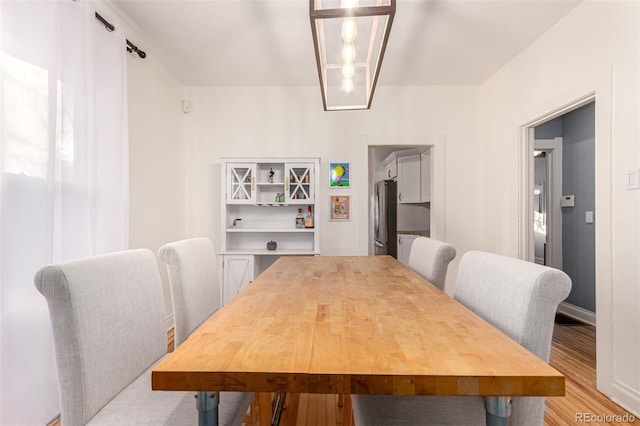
(633, 179)
(588, 217)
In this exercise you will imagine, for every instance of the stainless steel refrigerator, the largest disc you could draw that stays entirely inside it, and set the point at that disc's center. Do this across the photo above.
(384, 218)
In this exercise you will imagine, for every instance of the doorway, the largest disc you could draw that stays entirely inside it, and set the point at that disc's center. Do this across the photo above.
(380, 143)
(561, 225)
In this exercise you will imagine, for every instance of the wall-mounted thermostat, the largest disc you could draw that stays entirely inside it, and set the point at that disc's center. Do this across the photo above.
(568, 201)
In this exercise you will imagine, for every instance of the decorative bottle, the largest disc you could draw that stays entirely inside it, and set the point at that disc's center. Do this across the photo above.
(299, 219)
(308, 221)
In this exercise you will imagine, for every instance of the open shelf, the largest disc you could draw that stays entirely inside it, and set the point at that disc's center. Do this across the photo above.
(268, 204)
(278, 230)
(279, 252)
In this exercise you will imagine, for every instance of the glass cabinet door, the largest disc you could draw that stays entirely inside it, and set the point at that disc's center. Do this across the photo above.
(299, 183)
(241, 181)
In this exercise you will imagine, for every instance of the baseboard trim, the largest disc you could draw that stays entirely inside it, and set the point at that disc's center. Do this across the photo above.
(578, 313)
(627, 398)
(169, 322)
(55, 421)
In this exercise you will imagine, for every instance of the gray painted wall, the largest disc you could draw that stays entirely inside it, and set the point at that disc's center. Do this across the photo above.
(577, 129)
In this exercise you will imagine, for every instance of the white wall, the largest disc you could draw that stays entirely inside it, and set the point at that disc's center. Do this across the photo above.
(594, 49)
(245, 121)
(156, 159)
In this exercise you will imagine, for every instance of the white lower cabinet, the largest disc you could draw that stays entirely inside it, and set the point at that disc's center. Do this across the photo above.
(237, 273)
(405, 241)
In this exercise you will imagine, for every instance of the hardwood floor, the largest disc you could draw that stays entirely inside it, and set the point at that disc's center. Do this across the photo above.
(573, 352)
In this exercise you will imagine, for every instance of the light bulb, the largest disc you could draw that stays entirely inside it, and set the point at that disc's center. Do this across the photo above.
(348, 53)
(348, 3)
(348, 70)
(347, 85)
(349, 29)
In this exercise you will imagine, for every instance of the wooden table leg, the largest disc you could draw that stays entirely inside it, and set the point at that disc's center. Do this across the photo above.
(290, 412)
(347, 413)
(264, 408)
(252, 418)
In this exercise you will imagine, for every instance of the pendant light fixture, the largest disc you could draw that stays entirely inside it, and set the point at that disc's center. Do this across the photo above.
(349, 38)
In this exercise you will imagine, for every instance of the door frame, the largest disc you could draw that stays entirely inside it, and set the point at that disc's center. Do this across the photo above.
(548, 109)
(436, 182)
(526, 164)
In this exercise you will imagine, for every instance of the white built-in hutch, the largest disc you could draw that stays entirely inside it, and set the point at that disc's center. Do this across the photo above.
(260, 198)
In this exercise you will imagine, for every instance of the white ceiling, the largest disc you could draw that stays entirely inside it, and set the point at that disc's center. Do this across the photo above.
(268, 42)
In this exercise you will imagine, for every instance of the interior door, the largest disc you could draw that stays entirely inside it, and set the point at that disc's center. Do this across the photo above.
(547, 192)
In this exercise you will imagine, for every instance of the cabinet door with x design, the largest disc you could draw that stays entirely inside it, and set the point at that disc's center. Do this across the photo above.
(238, 273)
(241, 183)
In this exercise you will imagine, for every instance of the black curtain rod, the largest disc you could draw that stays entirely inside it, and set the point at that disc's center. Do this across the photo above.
(130, 46)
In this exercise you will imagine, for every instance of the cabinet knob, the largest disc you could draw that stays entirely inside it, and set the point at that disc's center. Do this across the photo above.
(389, 173)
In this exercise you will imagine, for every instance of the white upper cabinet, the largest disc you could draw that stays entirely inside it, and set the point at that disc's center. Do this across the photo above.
(409, 179)
(241, 183)
(299, 183)
(414, 178)
(390, 168)
(265, 201)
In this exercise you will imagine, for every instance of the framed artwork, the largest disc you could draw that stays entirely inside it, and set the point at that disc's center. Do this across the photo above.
(339, 175)
(340, 208)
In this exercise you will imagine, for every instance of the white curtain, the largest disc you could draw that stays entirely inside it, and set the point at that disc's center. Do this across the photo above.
(63, 177)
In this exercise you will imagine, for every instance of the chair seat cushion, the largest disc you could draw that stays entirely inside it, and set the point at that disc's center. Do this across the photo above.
(137, 404)
(372, 410)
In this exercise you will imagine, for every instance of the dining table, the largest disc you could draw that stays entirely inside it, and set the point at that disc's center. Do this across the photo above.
(351, 325)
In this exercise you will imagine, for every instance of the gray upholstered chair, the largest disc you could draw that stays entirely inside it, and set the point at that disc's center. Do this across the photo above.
(195, 292)
(430, 258)
(520, 298)
(193, 279)
(109, 327)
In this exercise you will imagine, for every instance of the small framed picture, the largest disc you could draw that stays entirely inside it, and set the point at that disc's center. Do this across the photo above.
(340, 208)
(339, 175)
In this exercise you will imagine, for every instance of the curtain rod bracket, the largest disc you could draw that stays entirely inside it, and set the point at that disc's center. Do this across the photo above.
(133, 48)
(130, 46)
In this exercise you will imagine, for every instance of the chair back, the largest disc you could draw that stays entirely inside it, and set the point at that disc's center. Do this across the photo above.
(430, 258)
(108, 319)
(193, 278)
(520, 298)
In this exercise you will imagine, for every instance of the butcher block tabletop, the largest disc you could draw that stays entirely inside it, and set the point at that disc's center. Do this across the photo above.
(352, 325)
